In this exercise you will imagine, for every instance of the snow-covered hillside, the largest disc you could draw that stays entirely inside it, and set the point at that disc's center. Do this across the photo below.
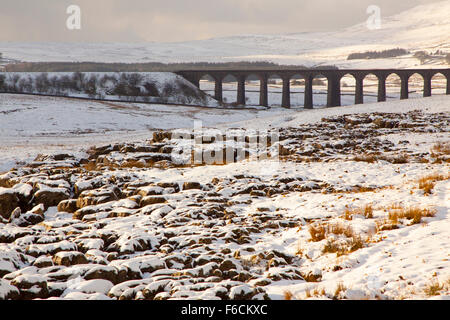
(426, 27)
(153, 87)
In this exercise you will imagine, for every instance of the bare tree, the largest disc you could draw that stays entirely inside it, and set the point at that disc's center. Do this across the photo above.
(13, 83)
(90, 86)
(78, 78)
(42, 83)
(2, 83)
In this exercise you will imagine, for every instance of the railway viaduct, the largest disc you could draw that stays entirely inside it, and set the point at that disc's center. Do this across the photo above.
(333, 77)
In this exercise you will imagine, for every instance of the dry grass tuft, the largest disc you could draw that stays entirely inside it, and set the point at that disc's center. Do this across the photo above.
(340, 289)
(395, 206)
(90, 166)
(396, 159)
(300, 251)
(397, 212)
(317, 292)
(369, 158)
(344, 247)
(358, 189)
(441, 148)
(308, 293)
(317, 232)
(366, 211)
(415, 214)
(427, 183)
(434, 288)
(340, 229)
(386, 225)
(348, 214)
(365, 189)
(393, 217)
(347, 243)
(288, 295)
(427, 186)
(321, 292)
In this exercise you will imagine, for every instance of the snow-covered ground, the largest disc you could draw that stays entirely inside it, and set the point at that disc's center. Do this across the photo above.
(425, 27)
(30, 125)
(131, 224)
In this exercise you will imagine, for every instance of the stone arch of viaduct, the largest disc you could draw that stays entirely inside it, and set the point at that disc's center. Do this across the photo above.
(333, 76)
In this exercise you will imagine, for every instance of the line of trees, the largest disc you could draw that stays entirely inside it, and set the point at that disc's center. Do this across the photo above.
(125, 86)
(390, 53)
(144, 67)
(122, 85)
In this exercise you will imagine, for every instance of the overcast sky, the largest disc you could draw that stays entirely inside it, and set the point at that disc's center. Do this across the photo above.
(180, 20)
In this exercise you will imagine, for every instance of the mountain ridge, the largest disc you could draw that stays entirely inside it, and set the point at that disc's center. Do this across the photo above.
(410, 29)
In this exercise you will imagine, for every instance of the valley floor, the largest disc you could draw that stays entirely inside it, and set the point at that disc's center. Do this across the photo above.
(356, 206)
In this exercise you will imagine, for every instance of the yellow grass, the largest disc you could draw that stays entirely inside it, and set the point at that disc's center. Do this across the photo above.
(288, 295)
(366, 211)
(428, 182)
(339, 289)
(441, 148)
(433, 288)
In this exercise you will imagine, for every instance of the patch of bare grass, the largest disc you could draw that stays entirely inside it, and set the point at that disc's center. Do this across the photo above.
(90, 166)
(366, 211)
(369, 158)
(415, 214)
(441, 148)
(343, 247)
(339, 292)
(434, 288)
(341, 239)
(399, 159)
(427, 183)
(288, 295)
(317, 232)
(397, 213)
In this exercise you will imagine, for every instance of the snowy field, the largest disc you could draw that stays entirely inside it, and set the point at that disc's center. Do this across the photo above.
(356, 208)
(30, 125)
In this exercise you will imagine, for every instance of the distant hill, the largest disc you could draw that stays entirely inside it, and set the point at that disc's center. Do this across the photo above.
(423, 28)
